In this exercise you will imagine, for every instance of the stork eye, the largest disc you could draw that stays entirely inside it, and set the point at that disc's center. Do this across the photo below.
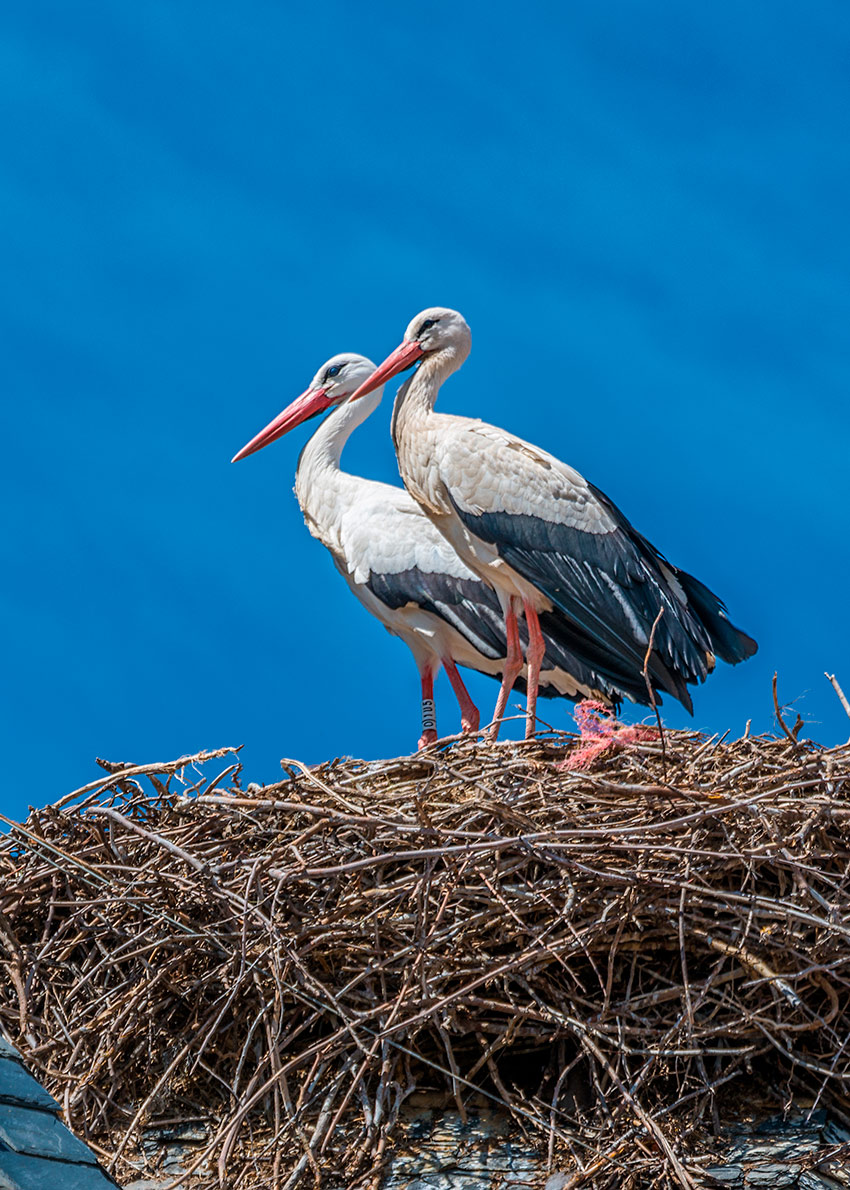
(334, 371)
(426, 326)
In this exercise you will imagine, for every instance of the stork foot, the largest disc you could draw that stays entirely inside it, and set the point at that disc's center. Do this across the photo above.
(469, 716)
(469, 722)
(427, 738)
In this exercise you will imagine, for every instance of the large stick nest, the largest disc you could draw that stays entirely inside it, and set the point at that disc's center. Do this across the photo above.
(603, 951)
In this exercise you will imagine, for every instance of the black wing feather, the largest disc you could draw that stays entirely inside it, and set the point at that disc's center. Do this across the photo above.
(473, 609)
(469, 606)
(610, 587)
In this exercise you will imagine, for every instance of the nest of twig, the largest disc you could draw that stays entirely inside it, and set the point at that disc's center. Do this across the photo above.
(604, 951)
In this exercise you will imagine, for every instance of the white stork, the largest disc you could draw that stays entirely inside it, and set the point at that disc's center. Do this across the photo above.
(546, 539)
(397, 563)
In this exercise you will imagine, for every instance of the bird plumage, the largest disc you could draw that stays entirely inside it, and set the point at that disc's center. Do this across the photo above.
(394, 560)
(535, 529)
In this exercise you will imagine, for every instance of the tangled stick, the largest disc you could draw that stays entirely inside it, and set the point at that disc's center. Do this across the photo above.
(604, 951)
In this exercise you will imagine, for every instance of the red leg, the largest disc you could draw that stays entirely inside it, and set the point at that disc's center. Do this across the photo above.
(429, 719)
(469, 717)
(513, 665)
(534, 656)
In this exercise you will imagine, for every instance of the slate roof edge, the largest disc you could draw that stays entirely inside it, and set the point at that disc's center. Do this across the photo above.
(47, 1109)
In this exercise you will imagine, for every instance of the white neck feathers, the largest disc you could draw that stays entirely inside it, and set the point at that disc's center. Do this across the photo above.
(319, 474)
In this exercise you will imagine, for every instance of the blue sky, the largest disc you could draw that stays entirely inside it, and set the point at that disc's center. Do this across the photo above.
(640, 209)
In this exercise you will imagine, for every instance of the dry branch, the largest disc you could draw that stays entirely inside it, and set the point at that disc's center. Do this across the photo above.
(288, 964)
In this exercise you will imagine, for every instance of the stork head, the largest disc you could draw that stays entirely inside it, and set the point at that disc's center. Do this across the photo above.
(334, 382)
(438, 328)
(339, 376)
(437, 331)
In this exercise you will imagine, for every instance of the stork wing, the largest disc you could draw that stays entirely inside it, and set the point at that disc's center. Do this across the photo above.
(392, 548)
(571, 542)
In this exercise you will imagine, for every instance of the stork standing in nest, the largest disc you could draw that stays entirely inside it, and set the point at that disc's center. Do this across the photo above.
(546, 540)
(397, 563)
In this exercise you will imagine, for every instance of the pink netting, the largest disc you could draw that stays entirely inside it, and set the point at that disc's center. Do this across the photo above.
(600, 731)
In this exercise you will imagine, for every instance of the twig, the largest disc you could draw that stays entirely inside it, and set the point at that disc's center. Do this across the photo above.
(142, 770)
(842, 697)
(651, 690)
(791, 735)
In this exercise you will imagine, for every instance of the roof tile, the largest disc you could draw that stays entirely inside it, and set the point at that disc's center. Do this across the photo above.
(35, 1173)
(41, 1134)
(18, 1086)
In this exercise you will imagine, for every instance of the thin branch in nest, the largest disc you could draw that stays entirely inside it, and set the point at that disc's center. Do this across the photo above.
(842, 697)
(791, 733)
(650, 688)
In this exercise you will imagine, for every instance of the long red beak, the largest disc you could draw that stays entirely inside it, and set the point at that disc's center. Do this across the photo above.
(313, 401)
(403, 357)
